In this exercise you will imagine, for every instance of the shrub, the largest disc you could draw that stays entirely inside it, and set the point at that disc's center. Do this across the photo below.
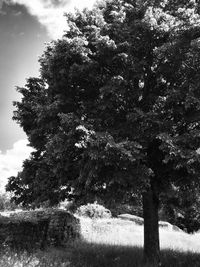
(93, 211)
(5, 202)
(28, 230)
(69, 206)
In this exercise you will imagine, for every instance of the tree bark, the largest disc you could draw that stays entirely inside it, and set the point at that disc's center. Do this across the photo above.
(151, 228)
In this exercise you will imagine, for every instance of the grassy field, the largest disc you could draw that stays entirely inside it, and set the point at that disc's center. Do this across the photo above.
(126, 233)
(111, 243)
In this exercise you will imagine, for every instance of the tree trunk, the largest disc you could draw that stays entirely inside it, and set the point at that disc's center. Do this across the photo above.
(151, 228)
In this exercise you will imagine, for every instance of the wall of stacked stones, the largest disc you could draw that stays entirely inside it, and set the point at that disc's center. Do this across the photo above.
(38, 229)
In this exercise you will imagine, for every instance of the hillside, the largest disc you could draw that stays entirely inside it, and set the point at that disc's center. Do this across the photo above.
(111, 242)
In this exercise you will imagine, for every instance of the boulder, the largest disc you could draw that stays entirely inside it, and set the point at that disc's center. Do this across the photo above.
(169, 226)
(176, 228)
(165, 225)
(136, 219)
(140, 221)
(38, 229)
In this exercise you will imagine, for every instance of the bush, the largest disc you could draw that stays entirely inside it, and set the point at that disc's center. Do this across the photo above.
(35, 229)
(69, 206)
(93, 211)
(5, 202)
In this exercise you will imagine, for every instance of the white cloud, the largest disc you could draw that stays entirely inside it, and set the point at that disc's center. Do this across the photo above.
(50, 12)
(11, 161)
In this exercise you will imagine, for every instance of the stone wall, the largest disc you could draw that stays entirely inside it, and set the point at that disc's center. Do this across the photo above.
(38, 229)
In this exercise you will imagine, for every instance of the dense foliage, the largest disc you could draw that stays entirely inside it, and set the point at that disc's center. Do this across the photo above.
(183, 208)
(117, 103)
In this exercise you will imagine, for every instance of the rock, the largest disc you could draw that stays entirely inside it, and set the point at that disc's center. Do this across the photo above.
(165, 225)
(117, 209)
(140, 221)
(169, 226)
(38, 229)
(136, 219)
(176, 228)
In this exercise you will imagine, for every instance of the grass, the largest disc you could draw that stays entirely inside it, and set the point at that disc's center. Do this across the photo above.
(126, 233)
(95, 255)
(111, 243)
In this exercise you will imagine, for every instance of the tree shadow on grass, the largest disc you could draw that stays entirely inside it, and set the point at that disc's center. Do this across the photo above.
(85, 254)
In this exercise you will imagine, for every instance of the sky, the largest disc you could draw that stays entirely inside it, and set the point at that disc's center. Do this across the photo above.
(25, 27)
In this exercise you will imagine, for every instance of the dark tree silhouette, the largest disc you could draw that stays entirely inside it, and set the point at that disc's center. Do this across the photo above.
(116, 109)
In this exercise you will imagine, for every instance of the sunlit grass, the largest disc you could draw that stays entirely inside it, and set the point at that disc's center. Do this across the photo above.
(111, 232)
(126, 233)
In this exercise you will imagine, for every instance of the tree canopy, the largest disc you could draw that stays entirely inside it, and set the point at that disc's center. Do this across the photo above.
(116, 108)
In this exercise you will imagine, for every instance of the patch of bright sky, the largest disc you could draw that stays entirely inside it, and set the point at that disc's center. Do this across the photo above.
(50, 12)
(11, 162)
(22, 40)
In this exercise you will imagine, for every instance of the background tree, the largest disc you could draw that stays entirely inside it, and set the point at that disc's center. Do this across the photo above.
(116, 109)
(182, 207)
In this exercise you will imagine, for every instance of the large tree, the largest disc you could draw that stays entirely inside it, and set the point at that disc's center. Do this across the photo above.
(116, 109)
